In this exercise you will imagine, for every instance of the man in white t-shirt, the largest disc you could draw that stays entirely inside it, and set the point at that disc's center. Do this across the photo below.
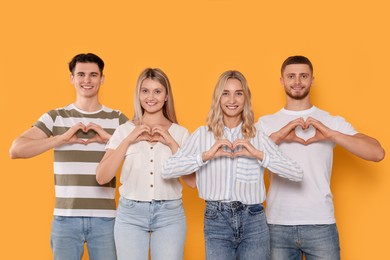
(301, 215)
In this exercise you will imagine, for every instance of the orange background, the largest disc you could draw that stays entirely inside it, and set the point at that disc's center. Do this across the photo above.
(194, 42)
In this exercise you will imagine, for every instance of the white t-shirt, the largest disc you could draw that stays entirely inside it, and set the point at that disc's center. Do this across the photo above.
(308, 202)
(141, 171)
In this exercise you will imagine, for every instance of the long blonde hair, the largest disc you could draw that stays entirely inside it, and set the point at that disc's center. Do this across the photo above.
(159, 76)
(215, 116)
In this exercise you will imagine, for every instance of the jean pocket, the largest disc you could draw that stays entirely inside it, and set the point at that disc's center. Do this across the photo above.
(126, 203)
(59, 218)
(106, 219)
(210, 213)
(173, 204)
(256, 209)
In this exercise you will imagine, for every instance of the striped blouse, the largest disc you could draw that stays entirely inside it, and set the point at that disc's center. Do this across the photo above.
(230, 179)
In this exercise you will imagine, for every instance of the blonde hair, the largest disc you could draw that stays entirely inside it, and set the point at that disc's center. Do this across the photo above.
(159, 76)
(215, 116)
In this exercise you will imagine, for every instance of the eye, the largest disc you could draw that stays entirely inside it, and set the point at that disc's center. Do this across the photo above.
(158, 91)
(225, 93)
(144, 90)
(239, 93)
(305, 76)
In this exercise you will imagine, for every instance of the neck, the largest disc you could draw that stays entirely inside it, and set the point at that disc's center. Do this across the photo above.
(88, 104)
(154, 119)
(231, 122)
(298, 105)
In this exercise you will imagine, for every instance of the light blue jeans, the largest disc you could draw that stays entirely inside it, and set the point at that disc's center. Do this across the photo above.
(68, 235)
(316, 242)
(158, 225)
(233, 230)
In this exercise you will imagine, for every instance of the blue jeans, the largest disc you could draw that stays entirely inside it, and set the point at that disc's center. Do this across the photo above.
(160, 225)
(233, 230)
(314, 241)
(68, 235)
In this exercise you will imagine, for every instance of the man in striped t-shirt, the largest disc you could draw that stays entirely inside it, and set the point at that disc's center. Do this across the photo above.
(84, 210)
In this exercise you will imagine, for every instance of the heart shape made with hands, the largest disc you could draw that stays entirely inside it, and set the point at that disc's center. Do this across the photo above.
(306, 133)
(232, 151)
(151, 137)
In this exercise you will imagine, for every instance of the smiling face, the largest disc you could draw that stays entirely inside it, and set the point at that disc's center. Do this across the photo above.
(87, 79)
(297, 80)
(232, 102)
(152, 96)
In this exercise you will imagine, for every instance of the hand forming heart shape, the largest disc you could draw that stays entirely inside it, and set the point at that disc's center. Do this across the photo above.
(306, 133)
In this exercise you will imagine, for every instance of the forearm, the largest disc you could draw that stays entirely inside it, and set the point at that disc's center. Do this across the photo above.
(278, 163)
(25, 147)
(176, 166)
(360, 145)
(110, 164)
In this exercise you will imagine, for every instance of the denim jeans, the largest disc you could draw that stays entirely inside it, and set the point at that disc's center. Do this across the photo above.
(233, 230)
(68, 235)
(316, 242)
(160, 225)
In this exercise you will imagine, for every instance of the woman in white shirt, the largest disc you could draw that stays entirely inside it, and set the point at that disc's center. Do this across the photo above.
(150, 211)
(229, 156)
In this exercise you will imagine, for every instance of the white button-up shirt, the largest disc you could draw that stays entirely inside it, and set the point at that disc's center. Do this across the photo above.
(141, 171)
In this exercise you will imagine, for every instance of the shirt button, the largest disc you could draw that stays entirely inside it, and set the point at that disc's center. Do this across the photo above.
(151, 173)
(151, 160)
(151, 185)
(151, 147)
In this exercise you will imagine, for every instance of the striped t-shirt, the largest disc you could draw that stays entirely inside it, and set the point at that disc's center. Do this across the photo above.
(76, 188)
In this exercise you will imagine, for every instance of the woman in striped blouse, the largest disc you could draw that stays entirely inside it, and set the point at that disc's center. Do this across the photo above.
(229, 156)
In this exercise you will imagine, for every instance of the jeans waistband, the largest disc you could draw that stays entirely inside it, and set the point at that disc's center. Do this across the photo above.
(232, 205)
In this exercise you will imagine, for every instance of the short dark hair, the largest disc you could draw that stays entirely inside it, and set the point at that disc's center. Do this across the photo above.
(84, 58)
(297, 60)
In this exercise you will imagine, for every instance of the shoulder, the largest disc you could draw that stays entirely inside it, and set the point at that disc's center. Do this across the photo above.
(176, 128)
(323, 115)
(125, 128)
(114, 113)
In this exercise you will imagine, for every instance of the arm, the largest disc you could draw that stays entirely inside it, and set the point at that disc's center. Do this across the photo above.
(190, 180)
(34, 142)
(359, 144)
(278, 163)
(113, 158)
(185, 161)
(287, 133)
(271, 157)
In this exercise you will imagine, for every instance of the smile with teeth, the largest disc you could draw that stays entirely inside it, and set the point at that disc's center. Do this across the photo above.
(151, 103)
(231, 107)
(87, 87)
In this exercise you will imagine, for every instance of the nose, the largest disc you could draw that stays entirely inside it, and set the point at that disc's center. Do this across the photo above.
(87, 78)
(150, 94)
(232, 98)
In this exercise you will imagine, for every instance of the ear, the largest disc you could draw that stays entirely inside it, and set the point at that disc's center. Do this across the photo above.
(102, 79)
(281, 81)
(71, 78)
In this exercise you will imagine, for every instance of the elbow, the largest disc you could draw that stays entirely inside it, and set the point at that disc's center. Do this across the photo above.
(192, 185)
(379, 156)
(14, 154)
(100, 179)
